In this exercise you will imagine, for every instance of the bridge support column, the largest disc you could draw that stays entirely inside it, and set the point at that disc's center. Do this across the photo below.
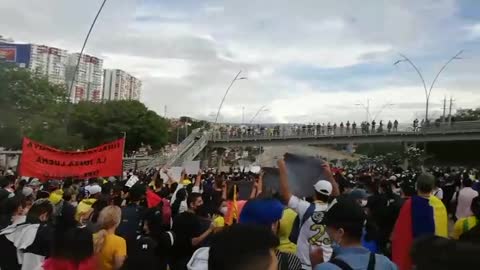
(205, 157)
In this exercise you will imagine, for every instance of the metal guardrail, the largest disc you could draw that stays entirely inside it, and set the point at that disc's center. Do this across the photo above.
(194, 150)
(292, 132)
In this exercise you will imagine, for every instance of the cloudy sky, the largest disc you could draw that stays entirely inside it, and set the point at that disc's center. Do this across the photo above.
(306, 60)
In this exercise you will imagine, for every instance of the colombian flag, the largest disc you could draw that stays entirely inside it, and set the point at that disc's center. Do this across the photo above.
(234, 208)
(418, 217)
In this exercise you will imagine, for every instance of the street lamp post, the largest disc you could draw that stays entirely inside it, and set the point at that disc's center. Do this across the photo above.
(366, 107)
(381, 109)
(428, 92)
(237, 78)
(243, 115)
(262, 109)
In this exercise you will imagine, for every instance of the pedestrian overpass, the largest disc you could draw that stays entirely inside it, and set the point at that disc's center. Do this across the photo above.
(286, 135)
(223, 137)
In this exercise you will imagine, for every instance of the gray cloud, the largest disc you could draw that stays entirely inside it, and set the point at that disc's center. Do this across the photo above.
(186, 56)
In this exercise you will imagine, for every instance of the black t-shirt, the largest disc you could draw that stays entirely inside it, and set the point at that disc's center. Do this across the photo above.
(131, 224)
(384, 211)
(143, 255)
(9, 254)
(186, 226)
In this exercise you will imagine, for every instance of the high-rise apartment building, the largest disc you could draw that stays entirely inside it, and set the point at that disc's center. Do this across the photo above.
(40, 59)
(48, 61)
(88, 79)
(91, 82)
(119, 85)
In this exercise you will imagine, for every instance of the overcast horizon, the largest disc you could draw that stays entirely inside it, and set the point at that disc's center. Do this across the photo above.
(306, 61)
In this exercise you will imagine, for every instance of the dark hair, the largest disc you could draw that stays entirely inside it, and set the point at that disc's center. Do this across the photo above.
(408, 188)
(242, 254)
(92, 181)
(467, 182)
(192, 198)
(181, 196)
(98, 206)
(158, 182)
(475, 207)
(39, 208)
(68, 194)
(321, 197)
(425, 183)
(11, 205)
(67, 183)
(70, 242)
(42, 194)
(348, 215)
(21, 184)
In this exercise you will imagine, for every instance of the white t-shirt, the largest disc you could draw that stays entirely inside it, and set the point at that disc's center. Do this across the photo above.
(465, 198)
(438, 193)
(312, 232)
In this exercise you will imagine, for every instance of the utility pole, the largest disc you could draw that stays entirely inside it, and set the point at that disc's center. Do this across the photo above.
(243, 115)
(450, 112)
(368, 110)
(444, 108)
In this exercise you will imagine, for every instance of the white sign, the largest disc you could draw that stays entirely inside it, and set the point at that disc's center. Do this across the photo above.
(175, 173)
(191, 167)
(131, 181)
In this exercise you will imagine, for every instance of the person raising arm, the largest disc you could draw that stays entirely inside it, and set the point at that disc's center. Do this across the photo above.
(309, 229)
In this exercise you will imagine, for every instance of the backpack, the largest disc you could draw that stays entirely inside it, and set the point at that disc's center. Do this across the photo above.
(165, 211)
(345, 266)
(297, 223)
(143, 255)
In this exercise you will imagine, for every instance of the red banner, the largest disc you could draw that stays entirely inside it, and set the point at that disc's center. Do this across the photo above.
(45, 162)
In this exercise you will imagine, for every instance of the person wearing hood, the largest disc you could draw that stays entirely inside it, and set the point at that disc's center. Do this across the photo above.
(26, 243)
(84, 207)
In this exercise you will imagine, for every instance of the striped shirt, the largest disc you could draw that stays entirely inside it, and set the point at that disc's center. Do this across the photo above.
(288, 261)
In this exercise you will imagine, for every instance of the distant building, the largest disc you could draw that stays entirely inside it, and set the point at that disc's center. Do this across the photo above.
(119, 85)
(40, 59)
(88, 79)
(49, 61)
(91, 82)
(5, 39)
(16, 53)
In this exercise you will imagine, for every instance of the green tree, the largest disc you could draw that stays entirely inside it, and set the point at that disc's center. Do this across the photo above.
(181, 131)
(102, 122)
(29, 104)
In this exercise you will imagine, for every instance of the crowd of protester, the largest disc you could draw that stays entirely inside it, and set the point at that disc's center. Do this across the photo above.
(356, 218)
(322, 129)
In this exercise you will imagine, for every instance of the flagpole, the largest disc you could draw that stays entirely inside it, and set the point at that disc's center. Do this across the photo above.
(124, 133)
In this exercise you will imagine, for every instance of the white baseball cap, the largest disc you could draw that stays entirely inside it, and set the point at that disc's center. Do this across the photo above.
(94, 189)
(323, 187)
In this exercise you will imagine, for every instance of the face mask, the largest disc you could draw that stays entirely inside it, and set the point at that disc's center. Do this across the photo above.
(224, 210)
(363, 203)
(335, 246)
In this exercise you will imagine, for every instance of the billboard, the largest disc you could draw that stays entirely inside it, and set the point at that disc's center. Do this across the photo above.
(15, 53)
(8, 54)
